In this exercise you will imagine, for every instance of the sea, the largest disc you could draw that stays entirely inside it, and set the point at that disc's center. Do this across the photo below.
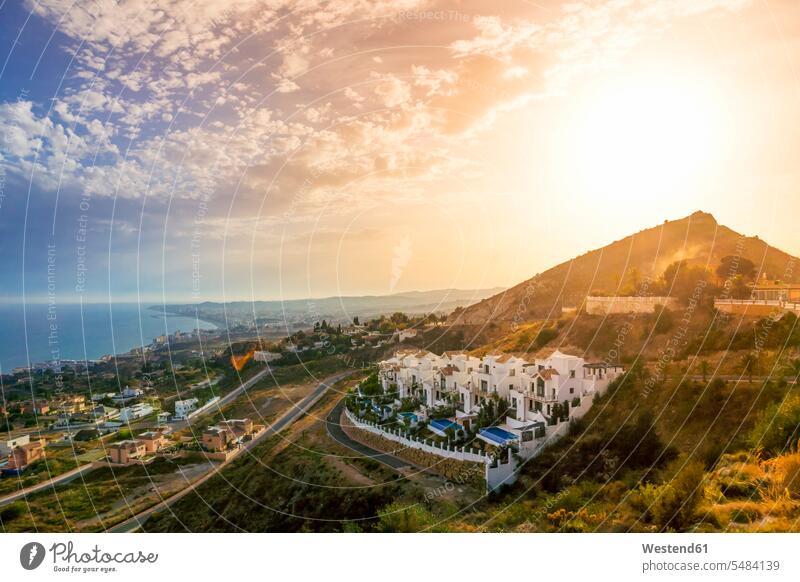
(39, 332)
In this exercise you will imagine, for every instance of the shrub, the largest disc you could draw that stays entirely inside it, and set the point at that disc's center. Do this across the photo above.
(673, 505)
(545, 336)
(787, 474)
(778, 427)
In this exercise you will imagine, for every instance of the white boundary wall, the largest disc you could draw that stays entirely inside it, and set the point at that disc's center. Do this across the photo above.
(458, 453)
(606, 305)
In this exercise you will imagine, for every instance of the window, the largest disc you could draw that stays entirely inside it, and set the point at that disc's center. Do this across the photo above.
(572, 373)
(572, 390)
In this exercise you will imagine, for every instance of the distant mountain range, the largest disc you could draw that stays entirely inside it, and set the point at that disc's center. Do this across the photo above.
(332, 308)
(697, 239)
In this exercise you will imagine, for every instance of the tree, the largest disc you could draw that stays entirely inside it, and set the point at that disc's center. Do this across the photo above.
(399, 317)
(739, 289)
(685, 281)
(663, 320)
(749, 364)
(356, 321)
(638, 371)
(635, 277)
(793, 368)
(705, 367)
(731, 266)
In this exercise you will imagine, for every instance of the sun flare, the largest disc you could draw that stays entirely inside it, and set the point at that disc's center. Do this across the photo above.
(643, 138)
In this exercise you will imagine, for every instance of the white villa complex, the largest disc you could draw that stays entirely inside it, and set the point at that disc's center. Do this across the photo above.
(543, 395)
(531, 388)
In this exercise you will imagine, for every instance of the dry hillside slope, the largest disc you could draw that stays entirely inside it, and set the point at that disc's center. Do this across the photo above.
(698, 239)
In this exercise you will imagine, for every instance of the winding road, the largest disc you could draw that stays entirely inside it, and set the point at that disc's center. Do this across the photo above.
(337, 433)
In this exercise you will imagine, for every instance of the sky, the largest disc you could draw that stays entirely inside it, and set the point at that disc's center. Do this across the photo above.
(197, 150)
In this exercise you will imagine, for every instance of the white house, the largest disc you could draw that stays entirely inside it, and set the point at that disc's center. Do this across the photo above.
(265, 357)
(130, 413)
(183, 408)
(401, 335)
(127, 394)
(8, 445)
(542, 394)
(531, 388)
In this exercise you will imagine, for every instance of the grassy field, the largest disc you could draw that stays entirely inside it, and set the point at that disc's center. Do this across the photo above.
(103, 497)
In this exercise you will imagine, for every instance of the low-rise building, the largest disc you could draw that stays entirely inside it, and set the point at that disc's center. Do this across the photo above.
(71, 404)
(769, 290)
(533, 389)
(228, 434)
(131, 413)
(104, 412)
(402, 335)
(153, 440)
(216, 439)
(265, 357)
(36, 407)
(183, 408)
(123, 452)
(128, 394)
(24, 455)
(8, 445)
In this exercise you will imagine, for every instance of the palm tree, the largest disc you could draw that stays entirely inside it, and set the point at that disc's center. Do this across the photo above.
(749, 364)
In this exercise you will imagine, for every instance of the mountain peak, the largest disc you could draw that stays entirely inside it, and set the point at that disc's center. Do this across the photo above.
(697, 238)
(701, 215)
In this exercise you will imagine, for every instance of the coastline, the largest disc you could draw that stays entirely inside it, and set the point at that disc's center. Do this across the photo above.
(74, 333)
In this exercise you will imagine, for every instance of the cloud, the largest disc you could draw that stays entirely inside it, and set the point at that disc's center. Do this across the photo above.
(183, 98)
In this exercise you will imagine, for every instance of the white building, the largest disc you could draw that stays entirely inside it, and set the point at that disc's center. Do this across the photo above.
(130, 413)
(401, 335)
(265, 357)
(531, 388)
(8, 445)
(183, 408)
(127, 394)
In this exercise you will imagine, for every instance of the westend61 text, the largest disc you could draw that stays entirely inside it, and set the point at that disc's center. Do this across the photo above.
(675, 549)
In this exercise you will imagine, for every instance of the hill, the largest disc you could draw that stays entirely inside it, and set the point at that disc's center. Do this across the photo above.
(621, 266)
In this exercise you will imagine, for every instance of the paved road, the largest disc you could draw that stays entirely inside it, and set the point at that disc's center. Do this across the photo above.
(333, 422)
(735, 377)
(301, 408)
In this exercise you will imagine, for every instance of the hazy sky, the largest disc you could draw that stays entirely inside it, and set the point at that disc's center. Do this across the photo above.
(195, 150)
